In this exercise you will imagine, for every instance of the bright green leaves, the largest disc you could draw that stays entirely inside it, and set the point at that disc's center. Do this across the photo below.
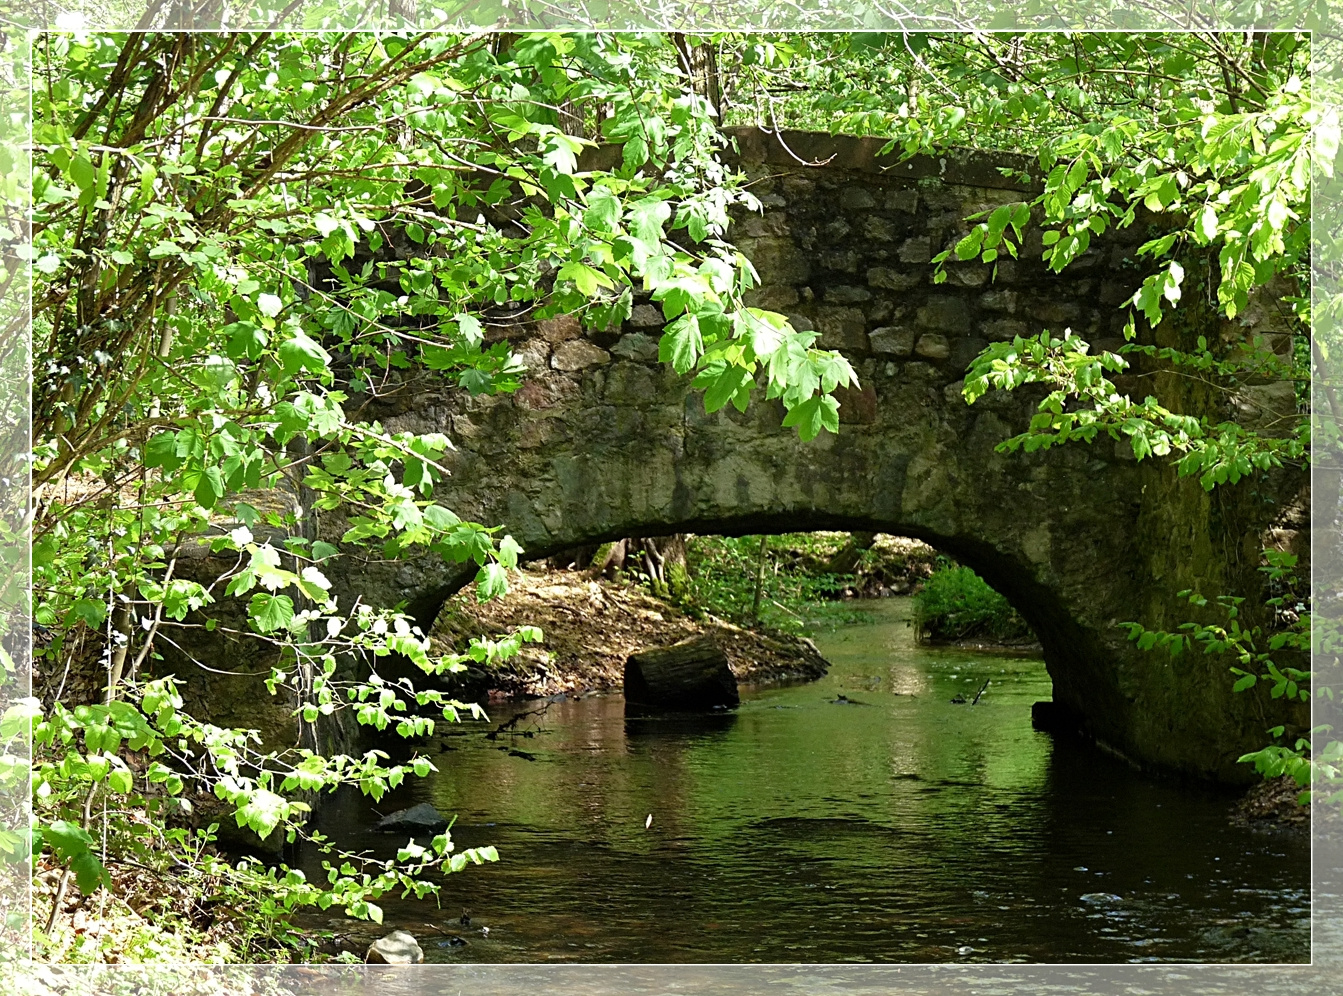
(604, 210)
(985, 239)
(269, 613)
(1214, 453)
(646, 218)
(72, 846)
(811, 416)
(300, 352)
(681, 344)
(1156, 288)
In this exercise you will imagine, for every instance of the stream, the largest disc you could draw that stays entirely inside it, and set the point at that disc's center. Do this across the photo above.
(863, 817)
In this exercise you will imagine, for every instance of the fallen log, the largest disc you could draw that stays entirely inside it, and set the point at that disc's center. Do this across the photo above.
(693, 674)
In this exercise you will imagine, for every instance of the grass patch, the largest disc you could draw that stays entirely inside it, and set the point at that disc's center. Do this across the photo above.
(957, 604)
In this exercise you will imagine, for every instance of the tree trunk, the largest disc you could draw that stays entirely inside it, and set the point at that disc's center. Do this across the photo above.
(686, 676)
(847, 559)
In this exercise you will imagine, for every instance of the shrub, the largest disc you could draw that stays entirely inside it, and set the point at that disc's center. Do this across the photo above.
(957, 604)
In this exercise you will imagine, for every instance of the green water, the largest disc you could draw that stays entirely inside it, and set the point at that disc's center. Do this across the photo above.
(862, 817)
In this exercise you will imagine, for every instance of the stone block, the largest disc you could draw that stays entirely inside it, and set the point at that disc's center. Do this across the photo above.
(891, 340)
(902, 199)
(933, 347)
(534, 354)
(857, 199)
(884, 276)
(1003, 329)
(781, 260)
(844, 294)
(638, 347)
(843, 260)
(919, 249)
(857, 406)
(560, 328)
(841, 328)
(999, 300)
(770, 223)
(879, 310)
(630, 384)
(646, 316)
(774, 297)
(798, 187)
(1056, 313)
(578, 354)
(946, 314)
(967, 275)
(836, 229)
(880, 229)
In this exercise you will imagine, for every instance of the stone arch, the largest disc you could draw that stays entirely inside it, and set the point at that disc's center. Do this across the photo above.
(602, 441)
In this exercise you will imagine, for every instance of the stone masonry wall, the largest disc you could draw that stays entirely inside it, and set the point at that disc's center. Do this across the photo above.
(602, 441)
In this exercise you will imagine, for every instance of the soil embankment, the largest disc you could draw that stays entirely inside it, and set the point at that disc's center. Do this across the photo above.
(592, 626)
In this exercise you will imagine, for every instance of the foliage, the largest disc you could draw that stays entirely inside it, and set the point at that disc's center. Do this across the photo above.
(1210, 141)
(796, 593)
(243, 241)
(956, 604)
(1253, 649)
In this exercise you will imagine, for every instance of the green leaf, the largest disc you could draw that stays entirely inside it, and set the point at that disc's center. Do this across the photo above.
(210, 487)
(491, 582)
(270, 612)
(263, 812)
(603, 213)
(647, 217)
(303, 353)
(89, 872)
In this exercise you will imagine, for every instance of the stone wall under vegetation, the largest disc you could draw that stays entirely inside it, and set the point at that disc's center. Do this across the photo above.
(602, 441)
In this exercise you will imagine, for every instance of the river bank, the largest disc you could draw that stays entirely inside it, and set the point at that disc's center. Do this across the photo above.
(592, 625)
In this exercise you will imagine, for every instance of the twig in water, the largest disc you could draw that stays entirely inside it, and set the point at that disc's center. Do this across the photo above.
(975, 701)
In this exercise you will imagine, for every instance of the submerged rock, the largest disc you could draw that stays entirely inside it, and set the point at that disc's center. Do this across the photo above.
(397, 948)
(421, 818)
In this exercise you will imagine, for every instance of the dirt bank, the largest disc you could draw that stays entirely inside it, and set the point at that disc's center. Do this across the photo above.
(591, 626)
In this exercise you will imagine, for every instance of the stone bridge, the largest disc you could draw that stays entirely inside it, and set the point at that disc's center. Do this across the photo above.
(603, 442)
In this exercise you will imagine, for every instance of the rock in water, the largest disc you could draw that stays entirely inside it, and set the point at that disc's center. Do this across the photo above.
(690, 675)
(422, 818)
(397, 948)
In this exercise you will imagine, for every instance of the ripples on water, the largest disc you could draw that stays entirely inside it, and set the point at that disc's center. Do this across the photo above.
(895, 826)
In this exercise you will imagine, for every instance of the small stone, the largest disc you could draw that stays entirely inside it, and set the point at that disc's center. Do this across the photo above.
(856, 199)
(933, 347)
(578, 354)
(637, 346)
(421, 818)
(645, 315)
(946, 314)
(916, 250)
(882, 276)
(1004, 329)
(397, 948)
(1000, 300)
(891, 341)
(560, 328)
(847, 295)
(902, 200)
(880, 229)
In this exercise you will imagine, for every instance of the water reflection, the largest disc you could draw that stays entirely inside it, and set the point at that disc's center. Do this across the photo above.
(863, 817)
